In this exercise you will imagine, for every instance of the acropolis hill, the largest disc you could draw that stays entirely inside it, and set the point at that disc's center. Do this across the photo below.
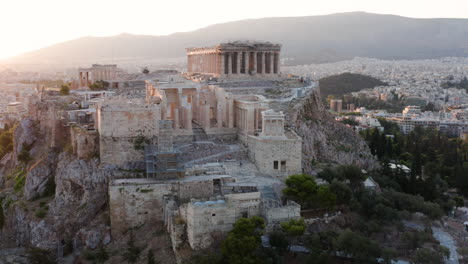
(173, 158)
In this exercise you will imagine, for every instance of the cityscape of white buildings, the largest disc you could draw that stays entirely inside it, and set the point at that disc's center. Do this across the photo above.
(454, 123)
(418, 81)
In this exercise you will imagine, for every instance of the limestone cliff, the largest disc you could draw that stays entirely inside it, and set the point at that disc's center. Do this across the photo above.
(59, 199)
(55, 197)
(72, 213)
(324, 139)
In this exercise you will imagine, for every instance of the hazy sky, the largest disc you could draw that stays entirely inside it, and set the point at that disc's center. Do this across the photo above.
(31, 24)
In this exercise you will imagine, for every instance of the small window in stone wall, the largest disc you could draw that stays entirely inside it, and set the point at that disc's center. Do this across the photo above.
(283, 165)
(275, 164)
(213, 214)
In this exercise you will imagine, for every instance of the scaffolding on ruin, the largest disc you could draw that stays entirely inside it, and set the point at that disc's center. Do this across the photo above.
(163, 165)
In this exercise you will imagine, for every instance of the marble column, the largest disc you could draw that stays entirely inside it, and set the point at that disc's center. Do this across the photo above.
(213, 63)
(176, 119)
(206, 116)
(196, 107)
(262, 61)
(277, 61)
(244, 122)
(229, 63)
(247, 62)
(219, 116)
(210, 63)
(241, 119)
(231, 114)
(221, 63)
(189, 118)
(272, 61)
(239, 59)
(254, 70)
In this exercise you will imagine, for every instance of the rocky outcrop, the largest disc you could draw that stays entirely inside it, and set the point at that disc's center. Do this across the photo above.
(6, 164)
(23, 229)
(40, 177)
(80, 199)
(63, 198)
(324, 139)
(81, 193)
(14, 256)
(94, 236)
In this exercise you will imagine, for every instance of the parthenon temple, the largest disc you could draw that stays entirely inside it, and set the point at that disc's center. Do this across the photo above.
(235, 59)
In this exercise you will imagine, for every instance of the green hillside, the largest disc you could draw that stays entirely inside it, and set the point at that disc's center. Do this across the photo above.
(345, 83)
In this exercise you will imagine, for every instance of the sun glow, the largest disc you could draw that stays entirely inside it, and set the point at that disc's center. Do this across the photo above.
(30, 24)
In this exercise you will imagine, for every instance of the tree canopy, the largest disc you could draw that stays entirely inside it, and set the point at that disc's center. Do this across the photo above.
(64, 89)
(243, 241)
(303, 189)
(344, 83)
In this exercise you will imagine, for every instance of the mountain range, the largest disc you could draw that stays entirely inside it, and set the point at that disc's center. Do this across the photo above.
(310, 39)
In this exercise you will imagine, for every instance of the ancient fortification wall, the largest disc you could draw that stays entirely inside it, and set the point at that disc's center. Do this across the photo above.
(134, 202)
(124, 126)
(204, 218)
(84, 143)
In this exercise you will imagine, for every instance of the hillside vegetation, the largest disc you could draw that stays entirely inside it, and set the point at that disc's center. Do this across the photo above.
(338, 85)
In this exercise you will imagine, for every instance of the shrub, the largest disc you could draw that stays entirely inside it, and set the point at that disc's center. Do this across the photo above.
(132, 252)
(50, 187)
(279, 242)
(40, 256)
(64, 89)
(41, 213)
(100, 256)
(19, 179)
(243, 241)
(24, 155)
(294, 227)
(139, 143)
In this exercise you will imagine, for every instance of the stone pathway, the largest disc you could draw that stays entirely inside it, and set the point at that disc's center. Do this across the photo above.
(444, 238)
(447, 241)
(232, 149)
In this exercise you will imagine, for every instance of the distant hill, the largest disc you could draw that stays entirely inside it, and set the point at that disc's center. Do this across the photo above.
(306, 40)
(345, 83)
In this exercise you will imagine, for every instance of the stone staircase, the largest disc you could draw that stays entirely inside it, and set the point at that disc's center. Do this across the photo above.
(199, 133)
